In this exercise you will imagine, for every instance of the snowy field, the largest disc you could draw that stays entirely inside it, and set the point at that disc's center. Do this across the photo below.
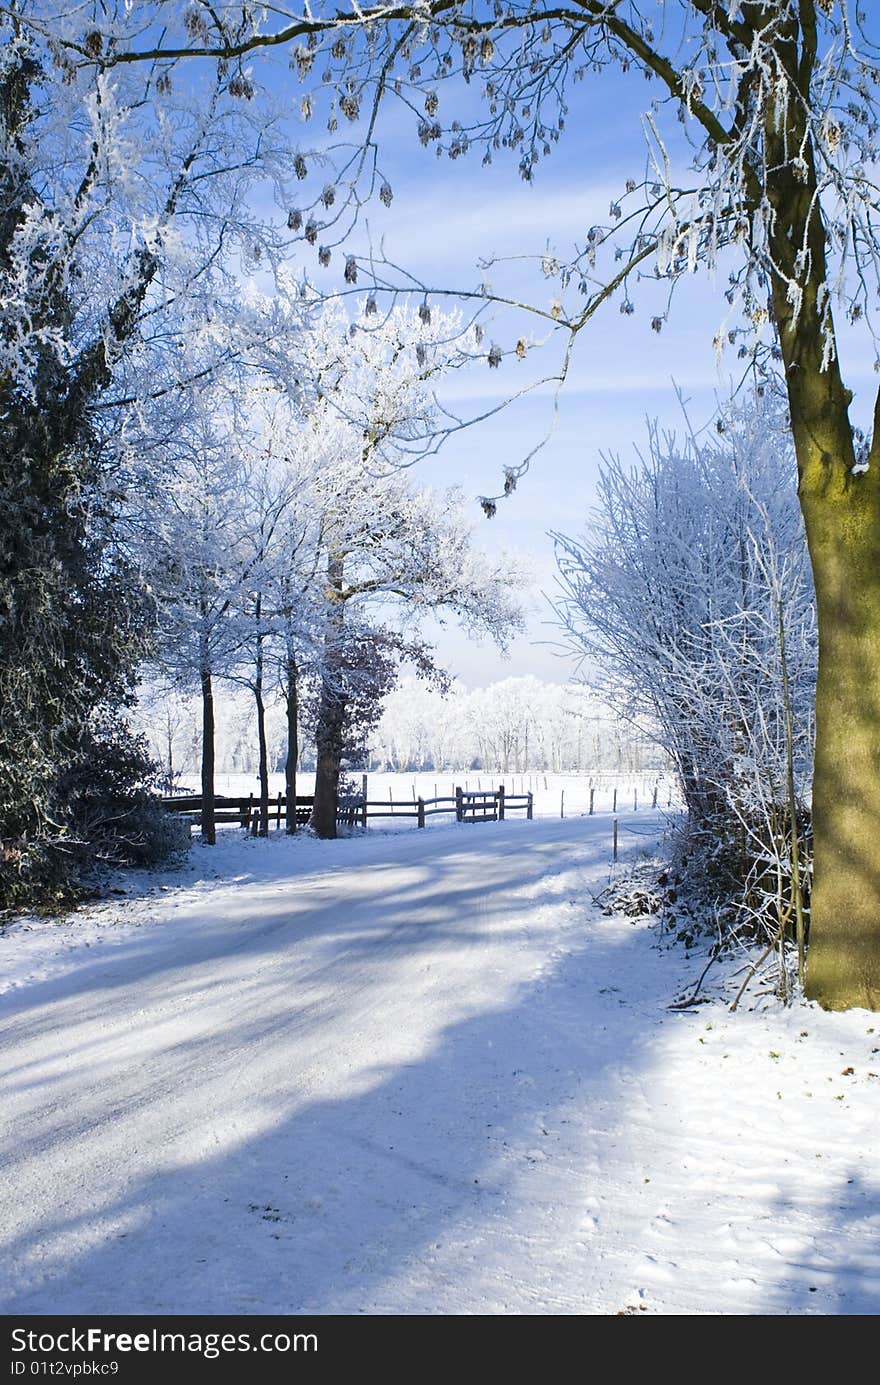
(554, 795)
(419, 1074)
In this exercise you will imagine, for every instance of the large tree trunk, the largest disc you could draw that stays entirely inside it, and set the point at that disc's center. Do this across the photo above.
(843, 962)
(840, 502)
(208, 830)
(842, 517)
(291, 700)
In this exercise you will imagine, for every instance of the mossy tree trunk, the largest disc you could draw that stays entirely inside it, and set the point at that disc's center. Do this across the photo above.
(840, 501)
(843, 964)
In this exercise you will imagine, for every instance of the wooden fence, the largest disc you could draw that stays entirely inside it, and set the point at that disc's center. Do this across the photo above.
(491, 805)
(244, 811)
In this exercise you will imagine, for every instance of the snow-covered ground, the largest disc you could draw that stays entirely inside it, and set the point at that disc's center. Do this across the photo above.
(418, 1073)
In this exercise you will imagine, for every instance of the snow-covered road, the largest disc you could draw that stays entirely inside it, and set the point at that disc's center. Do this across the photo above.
(417, 1074)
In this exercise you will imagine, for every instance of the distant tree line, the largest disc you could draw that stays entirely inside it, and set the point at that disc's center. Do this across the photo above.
(513, 726)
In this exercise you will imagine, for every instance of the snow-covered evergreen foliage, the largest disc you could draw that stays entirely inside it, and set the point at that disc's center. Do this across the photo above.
(123, 209)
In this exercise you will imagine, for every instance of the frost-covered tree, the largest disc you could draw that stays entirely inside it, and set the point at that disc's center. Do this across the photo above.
(166, 718)
(677, 552)
(388, 545)
(201, 563)
(280, 518)
(124, 227)
(513, 726)
(280, 604)
(690, 601)
(504, 723)
(370, 408)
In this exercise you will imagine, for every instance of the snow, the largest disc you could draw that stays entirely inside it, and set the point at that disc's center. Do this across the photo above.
(419, 1073)
(553, 794)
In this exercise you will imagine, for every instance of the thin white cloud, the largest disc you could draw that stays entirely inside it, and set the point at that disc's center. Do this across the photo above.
(519, 221)
(499, 386)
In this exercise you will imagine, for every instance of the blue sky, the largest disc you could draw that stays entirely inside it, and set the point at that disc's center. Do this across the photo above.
(444, 218)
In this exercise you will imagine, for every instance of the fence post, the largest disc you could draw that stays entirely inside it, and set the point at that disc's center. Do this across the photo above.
(654, 800)
(459, 805)
(614, 839)
(562, 805)
(278, 816)
(635, 800)
(592, 796)
(529, 806)
(500, 802)
(364, 809)
(614, 803)
(420, 808)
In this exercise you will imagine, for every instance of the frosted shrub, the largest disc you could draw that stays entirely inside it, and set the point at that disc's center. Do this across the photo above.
(691, 602)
